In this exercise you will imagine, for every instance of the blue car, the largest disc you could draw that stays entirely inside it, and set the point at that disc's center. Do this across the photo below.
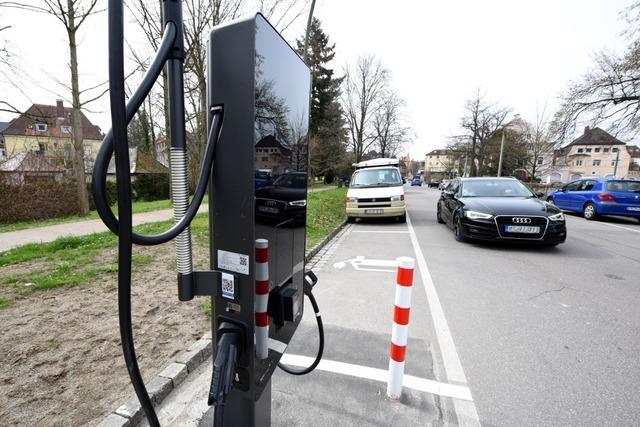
(416, 181)
(599, 196)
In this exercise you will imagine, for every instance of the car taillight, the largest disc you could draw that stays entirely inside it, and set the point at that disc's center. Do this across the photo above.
(402, 197)
(606, 197)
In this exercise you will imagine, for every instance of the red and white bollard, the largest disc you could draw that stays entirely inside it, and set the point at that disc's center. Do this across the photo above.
(400, 331)
(262, 298)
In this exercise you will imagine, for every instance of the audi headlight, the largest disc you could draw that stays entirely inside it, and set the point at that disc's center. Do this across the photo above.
(557, 217)
(301, 203)
(477, 215)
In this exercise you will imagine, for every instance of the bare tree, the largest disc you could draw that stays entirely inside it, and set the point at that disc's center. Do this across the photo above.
(540, 148)
(390, 130)
(480, 122)
(72, 15)
(609, 94)
(363, 88)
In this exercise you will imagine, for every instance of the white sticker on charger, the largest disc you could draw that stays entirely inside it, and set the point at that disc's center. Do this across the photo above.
(232, 261)
(228, 286)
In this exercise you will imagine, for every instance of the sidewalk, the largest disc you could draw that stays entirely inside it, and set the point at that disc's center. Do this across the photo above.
(349, 386)
(49, 233)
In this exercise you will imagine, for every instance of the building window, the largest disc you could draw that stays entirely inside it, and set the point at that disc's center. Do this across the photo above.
(41, 148)
(265, 159)
(540, 160)
(596, 150)
(578, 162)
(41, 127)
(65, 129)
(613, 162)
(588, 150)
(580, 150)
(614, 150)
(596, 163)
(605, 150)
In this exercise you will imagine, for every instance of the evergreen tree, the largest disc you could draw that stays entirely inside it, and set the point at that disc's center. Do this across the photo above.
(326, 125)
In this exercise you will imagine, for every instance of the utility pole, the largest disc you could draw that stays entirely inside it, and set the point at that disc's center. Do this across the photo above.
(501, 153)
(615, 168)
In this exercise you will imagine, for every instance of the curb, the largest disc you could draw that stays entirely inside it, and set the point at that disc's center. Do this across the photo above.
(130, 413)
(317, 248)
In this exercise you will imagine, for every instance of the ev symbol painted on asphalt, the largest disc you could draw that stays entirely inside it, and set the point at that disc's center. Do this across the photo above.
(361, 263)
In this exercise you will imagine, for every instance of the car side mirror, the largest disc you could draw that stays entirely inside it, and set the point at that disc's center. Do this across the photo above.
(539, 194)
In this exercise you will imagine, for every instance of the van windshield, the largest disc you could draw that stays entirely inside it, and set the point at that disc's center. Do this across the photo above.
(376, 178)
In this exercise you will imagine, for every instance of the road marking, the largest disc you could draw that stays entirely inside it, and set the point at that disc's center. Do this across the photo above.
(465, 411)
(382, 375)
(611, 225)
(381, 231)
(361, 263)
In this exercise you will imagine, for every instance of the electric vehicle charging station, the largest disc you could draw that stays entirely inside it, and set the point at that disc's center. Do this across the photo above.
(258, 98)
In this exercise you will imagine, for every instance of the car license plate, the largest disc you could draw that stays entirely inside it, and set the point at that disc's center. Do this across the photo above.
(634, 208)
(373, 211)
(268, 209)
(527, 229)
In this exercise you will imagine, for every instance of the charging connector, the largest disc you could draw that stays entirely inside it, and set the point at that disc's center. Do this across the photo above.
(230, 339)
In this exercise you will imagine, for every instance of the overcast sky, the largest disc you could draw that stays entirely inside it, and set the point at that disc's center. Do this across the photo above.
(519, 53)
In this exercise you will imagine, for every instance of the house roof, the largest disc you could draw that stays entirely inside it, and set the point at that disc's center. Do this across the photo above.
(268, 141)
(55, 116)
(595, 136)
(28, 162)
(438, 152)
(139, 163)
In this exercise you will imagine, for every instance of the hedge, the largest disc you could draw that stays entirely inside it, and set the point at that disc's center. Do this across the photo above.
(37, 200)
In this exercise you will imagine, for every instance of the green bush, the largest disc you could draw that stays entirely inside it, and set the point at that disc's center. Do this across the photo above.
(112, 194)
(151, 187)
(37, 200)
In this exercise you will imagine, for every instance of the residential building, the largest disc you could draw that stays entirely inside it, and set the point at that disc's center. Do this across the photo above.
(440, 163)
(594, 153)
(29, 167)
(271, 154)
(48, 130)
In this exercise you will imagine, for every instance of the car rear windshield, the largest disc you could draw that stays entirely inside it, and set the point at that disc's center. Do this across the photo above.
(376, 178)
(623, 186)
(495, 188)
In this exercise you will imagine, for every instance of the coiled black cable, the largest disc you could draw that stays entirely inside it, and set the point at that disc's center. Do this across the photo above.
(316, 310)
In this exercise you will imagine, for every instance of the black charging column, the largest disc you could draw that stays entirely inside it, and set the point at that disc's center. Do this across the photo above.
(258, 191)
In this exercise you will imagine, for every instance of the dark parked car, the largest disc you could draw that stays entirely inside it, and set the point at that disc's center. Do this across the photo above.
(493, 209)
(434, 183)
(599, 196)
(416, 181)
(285, 199)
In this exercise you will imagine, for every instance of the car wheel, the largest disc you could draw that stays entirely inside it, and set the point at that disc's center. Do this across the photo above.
(439, 215)
(403, 218)
(457, 230)
(351, 219)
(589, 211)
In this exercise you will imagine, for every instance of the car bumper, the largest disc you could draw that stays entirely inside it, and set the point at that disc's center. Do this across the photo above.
(388, 211)
(487, 230)
(618, 209)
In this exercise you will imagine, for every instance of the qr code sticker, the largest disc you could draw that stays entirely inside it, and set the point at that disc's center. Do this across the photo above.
(228, 286)
(243, 261)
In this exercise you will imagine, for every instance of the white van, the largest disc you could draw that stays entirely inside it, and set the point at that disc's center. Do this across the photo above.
(376, 191)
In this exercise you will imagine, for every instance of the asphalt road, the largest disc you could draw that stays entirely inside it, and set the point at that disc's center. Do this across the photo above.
(546, 336)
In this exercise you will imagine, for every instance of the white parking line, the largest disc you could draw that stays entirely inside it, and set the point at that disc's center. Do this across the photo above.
(607, 223)
(381, 231)
(465, 410)
(409, 381)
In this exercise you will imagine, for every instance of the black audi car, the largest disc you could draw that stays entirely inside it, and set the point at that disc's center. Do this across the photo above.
(496, 209)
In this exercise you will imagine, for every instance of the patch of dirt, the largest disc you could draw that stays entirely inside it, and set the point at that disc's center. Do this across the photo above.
(60, 349)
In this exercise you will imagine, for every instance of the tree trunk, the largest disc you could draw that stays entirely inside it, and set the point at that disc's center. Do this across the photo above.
(76, 116)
